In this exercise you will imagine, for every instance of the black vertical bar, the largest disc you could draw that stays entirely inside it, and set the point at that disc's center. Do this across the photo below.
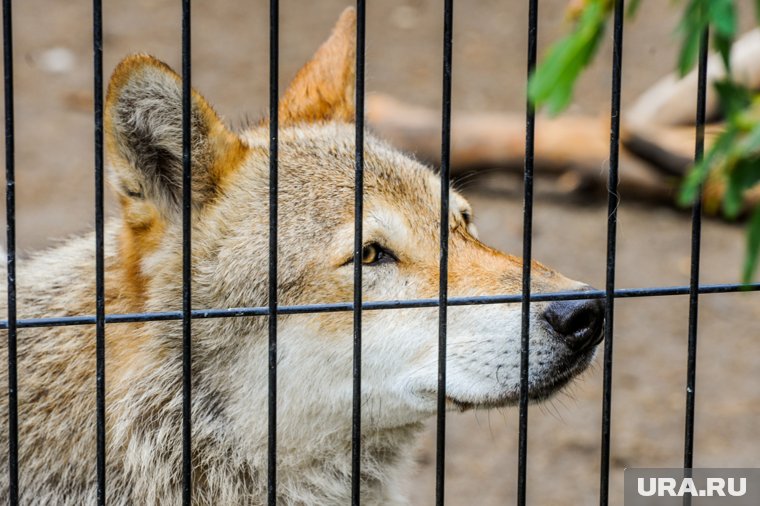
(696, 237)
(612, 208)
(186, 259)
(443, 288)
(274, 57)
(356, 430)
(10, 210)
(100, 304)
(530, 128)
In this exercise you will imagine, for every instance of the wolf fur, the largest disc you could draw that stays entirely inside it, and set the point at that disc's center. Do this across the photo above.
(56, 376)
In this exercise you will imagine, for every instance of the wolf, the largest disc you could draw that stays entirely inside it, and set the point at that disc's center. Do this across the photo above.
(230, 216)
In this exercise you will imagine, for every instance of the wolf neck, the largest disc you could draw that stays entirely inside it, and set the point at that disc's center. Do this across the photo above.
(314, 456)
(319, 472)
(326, 477)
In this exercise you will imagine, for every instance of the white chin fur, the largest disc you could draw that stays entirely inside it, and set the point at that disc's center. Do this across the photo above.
(400, 363)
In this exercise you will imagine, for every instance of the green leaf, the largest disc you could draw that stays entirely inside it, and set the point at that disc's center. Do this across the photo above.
(692, 183)
(723, 45)
(753, 247)
(691, 26)
(722, 16)
(749, 145)
(699, 15)
(553, 81)
(687, 57)
(633, 7)
(745, 174)
(734, 98)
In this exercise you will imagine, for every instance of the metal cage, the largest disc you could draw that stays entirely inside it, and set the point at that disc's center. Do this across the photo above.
(272, 309)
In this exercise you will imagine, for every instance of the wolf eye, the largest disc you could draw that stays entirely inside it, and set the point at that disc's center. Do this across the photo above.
(370, 254)
(374, 254)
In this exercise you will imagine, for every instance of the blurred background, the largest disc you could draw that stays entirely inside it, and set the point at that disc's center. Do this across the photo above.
(54, 162)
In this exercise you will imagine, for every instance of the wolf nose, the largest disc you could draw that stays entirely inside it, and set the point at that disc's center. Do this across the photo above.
(578, 322)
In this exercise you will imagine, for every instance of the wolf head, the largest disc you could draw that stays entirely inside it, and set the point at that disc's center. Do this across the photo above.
(230, 219)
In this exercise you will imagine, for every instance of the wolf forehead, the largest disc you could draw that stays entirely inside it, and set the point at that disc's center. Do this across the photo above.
(317, 166)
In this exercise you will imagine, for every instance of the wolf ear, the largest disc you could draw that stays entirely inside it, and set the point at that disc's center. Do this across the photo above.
(143, 130)
(323, 90)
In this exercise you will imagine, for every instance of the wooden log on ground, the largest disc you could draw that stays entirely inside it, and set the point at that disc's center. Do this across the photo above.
(572, 149)
(659, 126)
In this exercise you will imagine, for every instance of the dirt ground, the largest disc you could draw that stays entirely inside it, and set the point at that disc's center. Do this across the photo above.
(54, 143)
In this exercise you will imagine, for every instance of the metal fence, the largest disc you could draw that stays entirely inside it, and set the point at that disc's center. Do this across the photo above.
(187, 314)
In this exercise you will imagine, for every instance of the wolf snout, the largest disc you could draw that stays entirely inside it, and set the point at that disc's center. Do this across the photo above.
(577, 322)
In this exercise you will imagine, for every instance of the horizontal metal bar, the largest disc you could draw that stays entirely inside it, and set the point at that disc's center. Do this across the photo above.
(377, 305)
